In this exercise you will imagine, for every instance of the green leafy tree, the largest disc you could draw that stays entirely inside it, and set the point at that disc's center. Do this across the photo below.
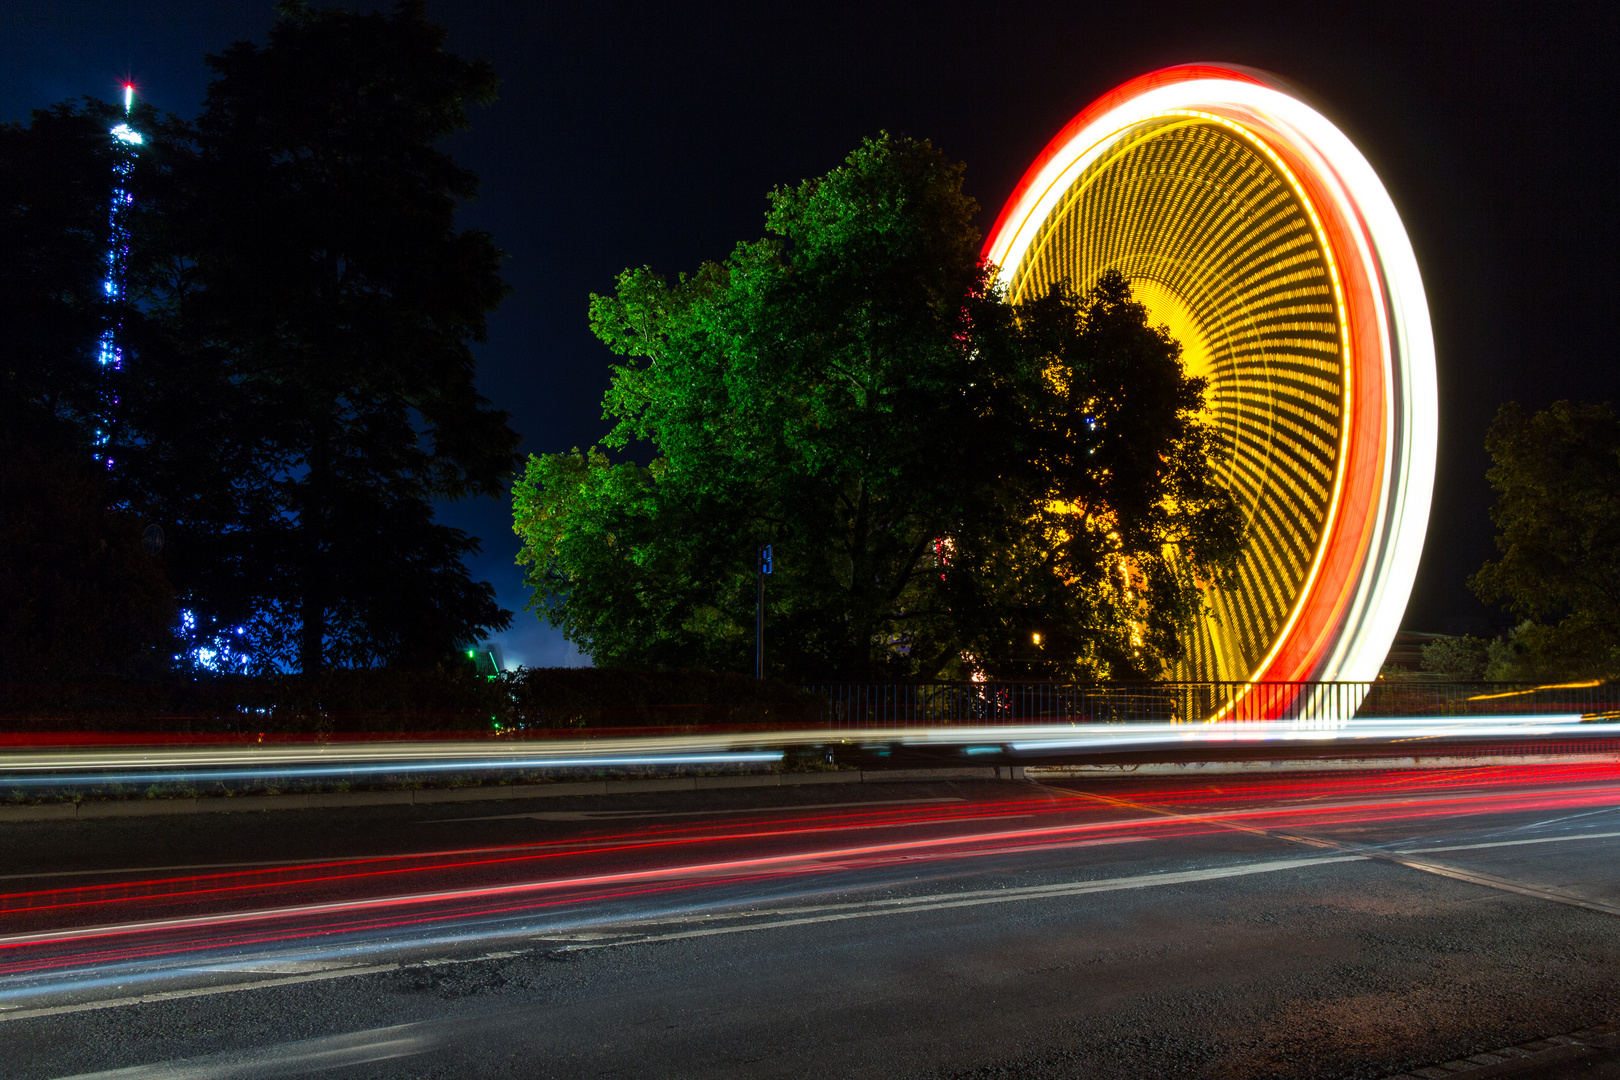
(1466, 656)
(305, 387)
(1556, 474)
(854, 390)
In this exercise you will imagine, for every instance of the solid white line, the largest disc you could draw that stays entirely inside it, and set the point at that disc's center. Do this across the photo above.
(1491, 881)
(906, 905)
(1510, 843)
(196, 991)
(1397, 858)
(1567, 817)
(285, 1059)
(896, 906)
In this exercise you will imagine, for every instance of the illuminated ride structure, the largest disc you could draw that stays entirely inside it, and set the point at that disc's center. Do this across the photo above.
(1248, 225)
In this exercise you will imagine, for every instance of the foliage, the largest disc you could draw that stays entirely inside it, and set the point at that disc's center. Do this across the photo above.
(615, 697)
(1557, 478)
(54, 194)
(1464, 656)
(299, 387)
(445, 697)
(1127, 520)
(78, 594)
(854, 390)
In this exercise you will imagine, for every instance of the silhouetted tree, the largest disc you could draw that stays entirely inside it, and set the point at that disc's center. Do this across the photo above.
(300, 385)
(1556, 474)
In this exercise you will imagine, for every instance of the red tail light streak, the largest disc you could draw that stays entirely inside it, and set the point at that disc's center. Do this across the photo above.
(144, 917)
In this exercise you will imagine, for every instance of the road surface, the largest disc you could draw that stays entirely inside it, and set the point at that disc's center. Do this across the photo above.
(1327, 925)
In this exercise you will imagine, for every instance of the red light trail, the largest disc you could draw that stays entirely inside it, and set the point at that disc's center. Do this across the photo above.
(153, 917)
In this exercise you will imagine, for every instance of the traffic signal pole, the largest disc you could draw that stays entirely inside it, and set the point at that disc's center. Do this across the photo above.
(759, 613)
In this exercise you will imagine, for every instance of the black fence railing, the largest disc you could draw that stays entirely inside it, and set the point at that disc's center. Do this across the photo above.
(890, 705)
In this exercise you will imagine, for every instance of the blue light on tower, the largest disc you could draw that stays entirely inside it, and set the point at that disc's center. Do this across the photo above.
(109, 350)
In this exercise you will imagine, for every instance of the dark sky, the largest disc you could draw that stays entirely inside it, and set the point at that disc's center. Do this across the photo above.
(642, 133)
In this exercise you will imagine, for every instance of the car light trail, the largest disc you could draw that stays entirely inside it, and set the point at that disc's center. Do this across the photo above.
(406, 767)
(660, 869)
(72, 766)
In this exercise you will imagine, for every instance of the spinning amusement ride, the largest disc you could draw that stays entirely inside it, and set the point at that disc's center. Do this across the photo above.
(1249, 225)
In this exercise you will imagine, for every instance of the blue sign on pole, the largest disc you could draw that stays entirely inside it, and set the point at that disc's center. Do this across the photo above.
(765, 559)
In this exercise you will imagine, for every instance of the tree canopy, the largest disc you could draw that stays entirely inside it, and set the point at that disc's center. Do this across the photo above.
(1556, 474)
(299, 315)
(951, 484)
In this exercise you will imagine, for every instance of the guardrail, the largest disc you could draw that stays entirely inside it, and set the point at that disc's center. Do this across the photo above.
(890, 705)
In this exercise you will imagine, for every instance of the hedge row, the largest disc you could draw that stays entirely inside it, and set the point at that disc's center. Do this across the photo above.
(383, 700)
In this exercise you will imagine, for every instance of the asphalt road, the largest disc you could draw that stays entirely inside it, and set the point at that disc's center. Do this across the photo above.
(1361, 925)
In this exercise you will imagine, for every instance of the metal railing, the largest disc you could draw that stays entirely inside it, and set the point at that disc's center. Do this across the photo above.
(927, 704)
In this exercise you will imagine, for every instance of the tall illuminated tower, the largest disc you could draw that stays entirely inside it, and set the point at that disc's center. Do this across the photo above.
(110, 349)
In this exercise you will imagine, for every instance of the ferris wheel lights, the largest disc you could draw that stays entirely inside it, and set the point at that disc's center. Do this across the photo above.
(1103, 195)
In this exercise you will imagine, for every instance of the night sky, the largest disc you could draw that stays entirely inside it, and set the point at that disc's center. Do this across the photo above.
(631, 134)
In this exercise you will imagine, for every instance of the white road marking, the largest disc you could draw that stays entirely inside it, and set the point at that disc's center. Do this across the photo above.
(1566, 817)
(826, 913)
(905, 905)
(1490, 881)
(343, 972)
(1511, 843)
(195, 991)
(285, 1059)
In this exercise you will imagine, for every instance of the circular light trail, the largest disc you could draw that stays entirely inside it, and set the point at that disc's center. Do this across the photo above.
(1249, 225)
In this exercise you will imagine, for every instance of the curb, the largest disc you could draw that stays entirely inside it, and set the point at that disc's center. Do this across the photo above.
(430, 796)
